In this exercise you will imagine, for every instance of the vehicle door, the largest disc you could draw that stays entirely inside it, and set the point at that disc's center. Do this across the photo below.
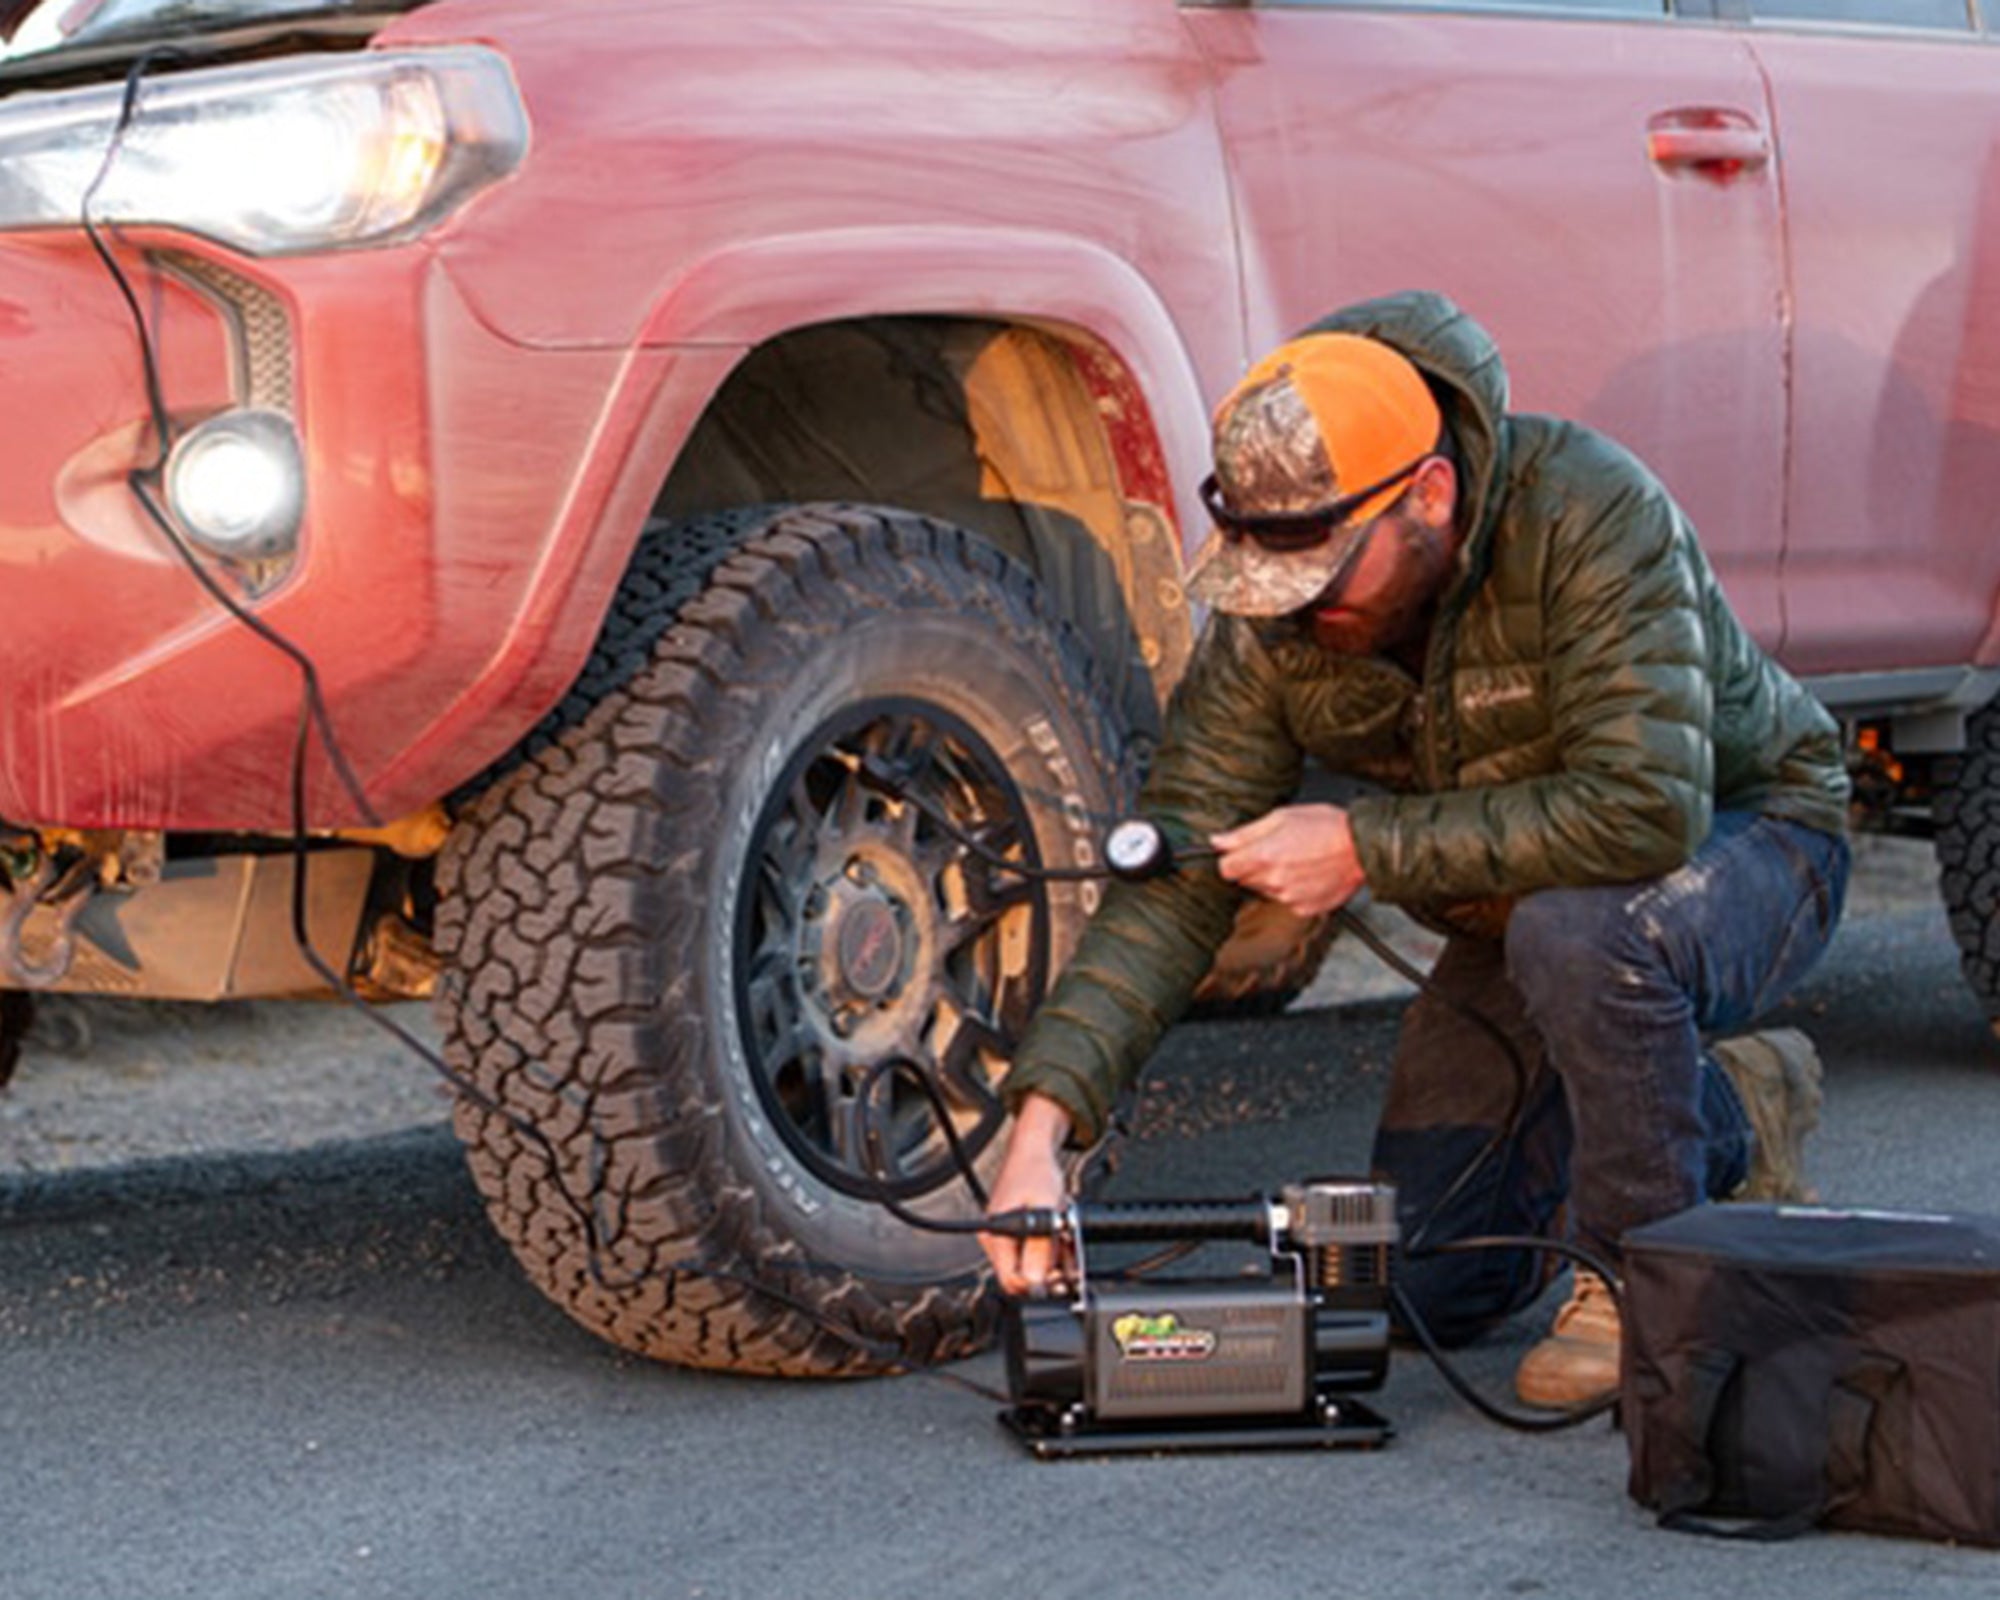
(1595, 183)
(1888, 115)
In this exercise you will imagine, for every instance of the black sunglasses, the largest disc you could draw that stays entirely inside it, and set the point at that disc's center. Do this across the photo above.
(1286, 531)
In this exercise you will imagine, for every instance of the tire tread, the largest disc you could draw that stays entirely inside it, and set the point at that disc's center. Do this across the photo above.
(550, 902)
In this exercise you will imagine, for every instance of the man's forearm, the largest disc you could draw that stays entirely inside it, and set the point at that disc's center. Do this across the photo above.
(1041, 1124)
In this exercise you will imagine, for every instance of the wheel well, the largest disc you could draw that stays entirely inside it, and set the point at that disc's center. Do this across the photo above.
(1034, 438)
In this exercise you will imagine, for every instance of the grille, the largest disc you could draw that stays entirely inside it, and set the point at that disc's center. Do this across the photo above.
(260, 331)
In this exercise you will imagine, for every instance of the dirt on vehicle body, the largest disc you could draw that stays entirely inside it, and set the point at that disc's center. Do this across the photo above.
(723, 469)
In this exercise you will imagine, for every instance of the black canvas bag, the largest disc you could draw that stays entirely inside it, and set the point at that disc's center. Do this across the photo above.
(1787, 1366)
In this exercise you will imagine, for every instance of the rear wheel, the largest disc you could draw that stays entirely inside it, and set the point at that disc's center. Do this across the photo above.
(731, 881)
(1968, 851)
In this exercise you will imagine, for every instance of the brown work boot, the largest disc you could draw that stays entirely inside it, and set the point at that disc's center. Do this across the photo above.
(1777, 1077)
(1578, 1362)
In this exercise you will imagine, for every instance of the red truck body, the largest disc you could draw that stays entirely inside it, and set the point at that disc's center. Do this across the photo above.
(1801, 342)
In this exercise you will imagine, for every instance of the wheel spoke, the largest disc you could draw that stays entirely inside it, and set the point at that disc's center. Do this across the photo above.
(769, 968)
(913, 746)
(781, 1035)
(855, 1115)
(961, 1072)
(792, 1069)
(846, 1129)
(932, 853)
(967, 926)
(997, 845)
(785, 865)
(954, 779)
(849, 811)
(906, 828)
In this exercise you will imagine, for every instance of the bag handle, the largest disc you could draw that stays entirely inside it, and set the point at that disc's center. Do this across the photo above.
(1855, 1410)
(1853, 1404)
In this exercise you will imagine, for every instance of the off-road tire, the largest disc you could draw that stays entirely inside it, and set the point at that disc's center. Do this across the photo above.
(589, 922)
(1968, 853)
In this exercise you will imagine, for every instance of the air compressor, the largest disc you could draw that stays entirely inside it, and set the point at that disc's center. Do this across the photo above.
(1276, 1359)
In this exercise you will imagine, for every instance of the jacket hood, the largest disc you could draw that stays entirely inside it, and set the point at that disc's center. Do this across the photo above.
(1465, 371)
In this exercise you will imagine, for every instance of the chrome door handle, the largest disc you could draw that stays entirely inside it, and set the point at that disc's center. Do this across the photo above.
(1712, 141)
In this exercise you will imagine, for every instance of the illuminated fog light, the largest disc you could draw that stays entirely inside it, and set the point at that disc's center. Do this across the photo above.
(237, 484)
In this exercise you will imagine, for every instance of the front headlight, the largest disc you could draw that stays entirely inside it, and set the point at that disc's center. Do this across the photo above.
(273, 158)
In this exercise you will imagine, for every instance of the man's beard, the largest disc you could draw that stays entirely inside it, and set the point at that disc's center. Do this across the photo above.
(1395, 617)
(1354, 633)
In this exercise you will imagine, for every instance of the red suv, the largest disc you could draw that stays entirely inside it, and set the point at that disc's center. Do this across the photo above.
(611, 511)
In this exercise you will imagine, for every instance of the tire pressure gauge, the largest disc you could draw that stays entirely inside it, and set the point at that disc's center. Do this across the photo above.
(1136, 849)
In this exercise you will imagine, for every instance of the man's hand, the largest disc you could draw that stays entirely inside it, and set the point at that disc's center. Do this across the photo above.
(1030, 1175)
(1300, 856)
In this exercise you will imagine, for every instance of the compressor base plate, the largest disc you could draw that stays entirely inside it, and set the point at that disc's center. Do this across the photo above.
(1050, 1435)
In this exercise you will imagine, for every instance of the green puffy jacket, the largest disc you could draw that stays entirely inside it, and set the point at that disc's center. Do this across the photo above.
(1588, 700)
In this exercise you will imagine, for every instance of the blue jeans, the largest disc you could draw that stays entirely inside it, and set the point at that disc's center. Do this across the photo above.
(1602, 1094)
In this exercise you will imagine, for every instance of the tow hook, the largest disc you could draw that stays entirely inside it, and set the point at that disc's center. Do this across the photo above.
(33, 881)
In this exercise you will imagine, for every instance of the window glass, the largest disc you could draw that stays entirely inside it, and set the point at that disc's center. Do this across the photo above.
(1619, 8)
(1588, 8)
(1622, 8)
(1948, 14)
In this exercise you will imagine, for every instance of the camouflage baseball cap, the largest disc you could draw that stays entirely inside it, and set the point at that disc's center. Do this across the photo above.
(1318, 438)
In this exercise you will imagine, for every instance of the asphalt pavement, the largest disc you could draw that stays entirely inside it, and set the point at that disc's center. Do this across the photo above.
(316, 1374)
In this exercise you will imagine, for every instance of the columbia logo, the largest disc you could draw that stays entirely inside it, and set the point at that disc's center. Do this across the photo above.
(1486, 697)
